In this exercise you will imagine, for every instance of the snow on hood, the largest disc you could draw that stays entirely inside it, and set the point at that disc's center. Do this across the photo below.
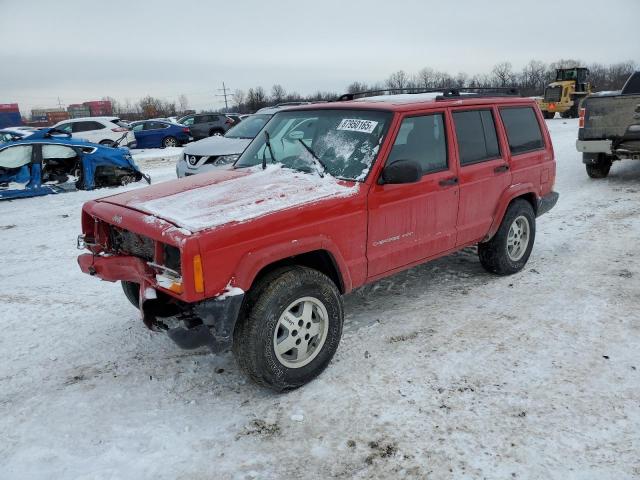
(217, 145)
(243, 198)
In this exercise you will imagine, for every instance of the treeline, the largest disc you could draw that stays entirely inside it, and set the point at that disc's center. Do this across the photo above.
(530, 80)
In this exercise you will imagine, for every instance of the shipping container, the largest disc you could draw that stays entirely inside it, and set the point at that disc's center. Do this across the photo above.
(55, 117)
(9, 107)
(99, 108)
(10, 119)
(78, 111)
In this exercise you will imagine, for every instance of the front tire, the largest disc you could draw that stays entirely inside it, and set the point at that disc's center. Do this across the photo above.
(107, 143)
(289, 328)
(509, 249)
(548, 115)
(132, 292)
(216, 133)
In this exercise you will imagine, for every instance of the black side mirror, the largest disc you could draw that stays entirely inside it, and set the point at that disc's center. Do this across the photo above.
(401, 171)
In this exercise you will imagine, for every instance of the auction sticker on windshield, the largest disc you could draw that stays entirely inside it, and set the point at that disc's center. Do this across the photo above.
(357, 125)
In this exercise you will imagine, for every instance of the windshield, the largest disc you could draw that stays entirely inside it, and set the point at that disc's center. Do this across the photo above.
(249, 127)
(342, 143)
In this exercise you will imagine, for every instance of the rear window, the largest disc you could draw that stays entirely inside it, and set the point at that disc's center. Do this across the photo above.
(477, 139)
(523, 129)
(121, 124)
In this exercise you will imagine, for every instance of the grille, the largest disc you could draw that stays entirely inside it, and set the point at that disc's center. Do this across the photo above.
(124, 241)
(553, 94)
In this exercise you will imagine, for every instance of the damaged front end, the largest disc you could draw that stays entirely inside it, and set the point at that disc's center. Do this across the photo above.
(163, 272)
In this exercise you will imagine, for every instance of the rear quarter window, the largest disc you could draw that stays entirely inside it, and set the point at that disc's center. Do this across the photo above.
(523, 130)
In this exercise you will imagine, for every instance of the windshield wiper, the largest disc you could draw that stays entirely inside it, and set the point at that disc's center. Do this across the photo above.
(315, 157)
(268, 144)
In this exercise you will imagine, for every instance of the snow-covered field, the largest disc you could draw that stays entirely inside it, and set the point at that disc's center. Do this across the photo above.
(444, 371)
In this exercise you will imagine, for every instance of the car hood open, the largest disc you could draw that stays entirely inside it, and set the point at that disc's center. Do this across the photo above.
(213, 199)
(217, 146)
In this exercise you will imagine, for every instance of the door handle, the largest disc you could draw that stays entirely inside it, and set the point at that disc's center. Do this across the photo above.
(449, 181)
(501, 168)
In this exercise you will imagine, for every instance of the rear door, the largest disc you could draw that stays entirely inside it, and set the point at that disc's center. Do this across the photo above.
(155, 133)
(531, 151)
(91, 131)
(484, 171)
(412, 222)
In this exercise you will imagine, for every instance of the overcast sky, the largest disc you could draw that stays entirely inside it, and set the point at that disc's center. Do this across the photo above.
(81, 50)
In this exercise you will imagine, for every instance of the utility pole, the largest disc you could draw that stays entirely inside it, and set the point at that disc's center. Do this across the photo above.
(224, 94)
(59, 103)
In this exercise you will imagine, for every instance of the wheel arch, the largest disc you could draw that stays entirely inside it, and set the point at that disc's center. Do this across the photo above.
(522, 191)
(319, 254)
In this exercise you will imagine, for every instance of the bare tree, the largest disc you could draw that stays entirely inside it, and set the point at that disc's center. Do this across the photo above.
(256, 98)
(503, 73)
(425, 78)
(398, 80)
(356, 87)
(278, 93)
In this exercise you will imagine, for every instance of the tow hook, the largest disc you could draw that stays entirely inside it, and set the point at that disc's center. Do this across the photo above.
(92, 270)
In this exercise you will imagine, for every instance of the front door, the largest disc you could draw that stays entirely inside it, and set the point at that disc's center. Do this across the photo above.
(412, 222)
(484, 171)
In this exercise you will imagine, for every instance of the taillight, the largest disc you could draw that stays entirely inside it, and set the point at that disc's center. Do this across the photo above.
(120, 129)
(229, 121)
(185, 129)
(581, 113)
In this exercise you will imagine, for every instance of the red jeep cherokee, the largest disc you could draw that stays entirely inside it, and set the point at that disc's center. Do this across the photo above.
(327, 198)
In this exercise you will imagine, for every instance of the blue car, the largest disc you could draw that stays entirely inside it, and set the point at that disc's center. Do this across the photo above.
(160, 134)
(50, 161)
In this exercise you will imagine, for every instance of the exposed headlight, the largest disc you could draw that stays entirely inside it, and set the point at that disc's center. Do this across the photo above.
(225, 159)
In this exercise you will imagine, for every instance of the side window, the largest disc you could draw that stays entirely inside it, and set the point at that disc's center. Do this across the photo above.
(477, 139)
(15, 157)
(523, 129)
(86, 126)
(213, 118)
(153, 125)
(422, 139)
(138, 127)
(57, 151)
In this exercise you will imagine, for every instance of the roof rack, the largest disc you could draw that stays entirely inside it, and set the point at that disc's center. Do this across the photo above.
(447, 93)
(479, 92)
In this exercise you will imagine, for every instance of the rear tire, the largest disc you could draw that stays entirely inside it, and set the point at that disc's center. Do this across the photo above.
(599, 169)
(216, 133)
(548, 115)
(289, 328)
(169, 142)
(509, 249)
(132, 292)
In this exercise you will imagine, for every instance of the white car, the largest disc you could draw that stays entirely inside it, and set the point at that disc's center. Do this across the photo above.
(102, 130)
(215, 152)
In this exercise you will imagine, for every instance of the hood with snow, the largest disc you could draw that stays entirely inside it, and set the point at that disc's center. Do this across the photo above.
(217, 146)
(214, 199)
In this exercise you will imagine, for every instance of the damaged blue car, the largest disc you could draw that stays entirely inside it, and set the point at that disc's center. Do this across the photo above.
(50, 161)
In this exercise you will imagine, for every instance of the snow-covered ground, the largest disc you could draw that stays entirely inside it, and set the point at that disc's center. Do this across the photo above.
(444, 371)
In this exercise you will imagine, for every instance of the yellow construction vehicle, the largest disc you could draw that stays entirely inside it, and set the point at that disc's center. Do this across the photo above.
(565, 94)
